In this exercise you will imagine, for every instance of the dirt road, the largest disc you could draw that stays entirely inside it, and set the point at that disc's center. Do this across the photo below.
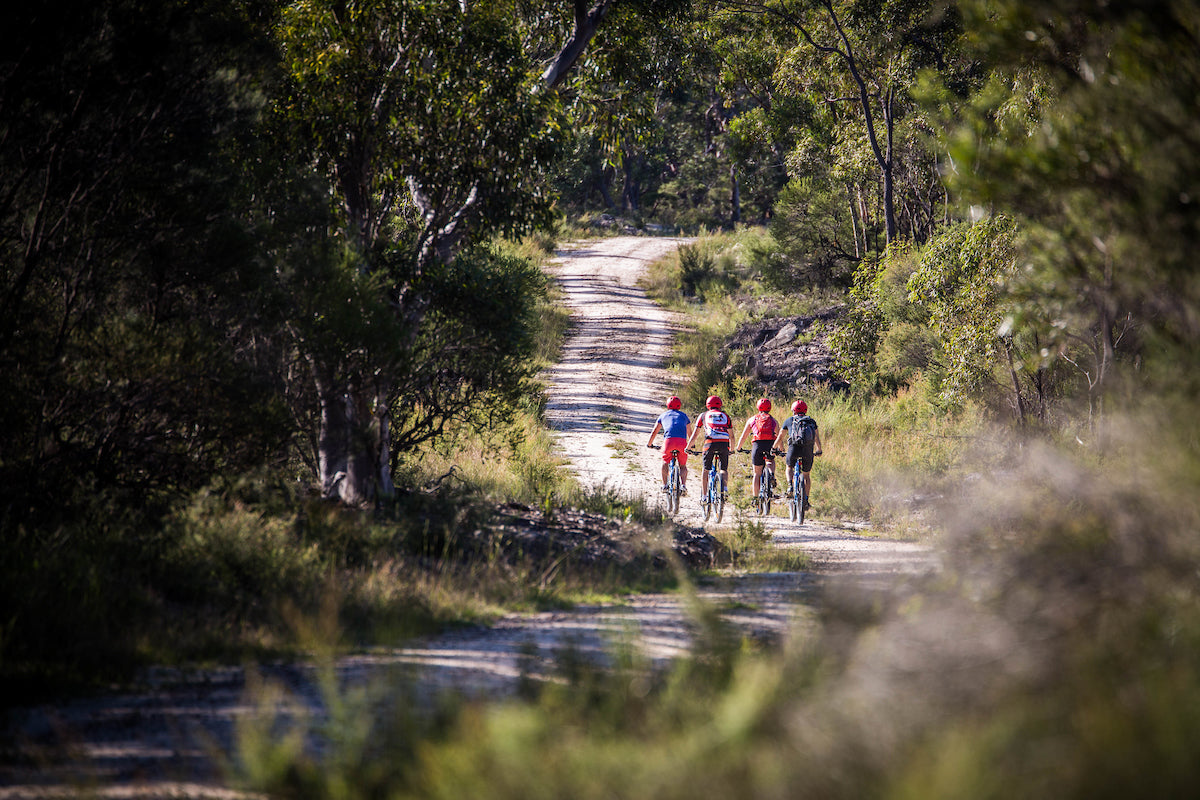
(604, 397)
(612, 384)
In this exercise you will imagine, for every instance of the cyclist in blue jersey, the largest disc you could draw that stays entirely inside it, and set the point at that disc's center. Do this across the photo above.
(676, 428)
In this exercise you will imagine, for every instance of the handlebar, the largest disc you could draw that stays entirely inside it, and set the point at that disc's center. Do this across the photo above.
(654, 446)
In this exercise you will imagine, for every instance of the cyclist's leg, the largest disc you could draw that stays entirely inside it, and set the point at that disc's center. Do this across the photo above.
(761, 453)
(806, 465)
(677, 444)
(709, 457)
(793, 455)
(723, 455)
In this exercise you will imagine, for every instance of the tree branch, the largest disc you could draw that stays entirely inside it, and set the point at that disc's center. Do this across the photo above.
(587, 22)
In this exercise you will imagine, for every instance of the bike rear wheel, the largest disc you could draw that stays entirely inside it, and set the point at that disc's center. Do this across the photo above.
(766, 487)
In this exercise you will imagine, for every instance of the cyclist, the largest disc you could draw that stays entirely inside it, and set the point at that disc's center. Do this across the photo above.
(716, 424)
(765, 428)
(676, 427)
(801, 447)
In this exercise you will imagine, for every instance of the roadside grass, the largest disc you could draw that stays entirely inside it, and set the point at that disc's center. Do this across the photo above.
(749, 547)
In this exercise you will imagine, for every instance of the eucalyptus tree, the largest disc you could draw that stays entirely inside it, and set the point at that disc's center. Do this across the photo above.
(433, 125)
(1087, 131)
(621, 100)
(858, 63)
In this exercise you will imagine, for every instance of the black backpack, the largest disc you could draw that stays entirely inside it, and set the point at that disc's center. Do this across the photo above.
(802, 431)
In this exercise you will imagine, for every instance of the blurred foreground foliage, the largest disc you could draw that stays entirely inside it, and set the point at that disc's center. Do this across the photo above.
(1055, 655)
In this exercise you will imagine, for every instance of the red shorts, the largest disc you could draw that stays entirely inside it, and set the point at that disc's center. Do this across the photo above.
(675, 444)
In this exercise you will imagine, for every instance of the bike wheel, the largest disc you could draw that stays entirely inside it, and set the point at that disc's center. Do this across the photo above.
(720, 509)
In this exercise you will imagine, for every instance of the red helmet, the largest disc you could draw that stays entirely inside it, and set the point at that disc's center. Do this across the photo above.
(764, 405)
(674, 402)
(799, 407)
(712, 402)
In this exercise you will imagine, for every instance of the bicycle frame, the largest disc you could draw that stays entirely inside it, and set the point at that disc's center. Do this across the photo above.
(713, 495)
(798, 494)
(674, 483)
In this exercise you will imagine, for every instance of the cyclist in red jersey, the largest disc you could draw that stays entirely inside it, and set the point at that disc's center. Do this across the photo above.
(716, 424)
(765, 428)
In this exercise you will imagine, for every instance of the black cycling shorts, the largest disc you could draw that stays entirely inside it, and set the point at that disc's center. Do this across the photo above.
(798, 452)
(761, 453)
(718, 449)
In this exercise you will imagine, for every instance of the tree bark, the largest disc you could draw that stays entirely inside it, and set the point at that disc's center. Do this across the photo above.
(587, 22)
(735, 200)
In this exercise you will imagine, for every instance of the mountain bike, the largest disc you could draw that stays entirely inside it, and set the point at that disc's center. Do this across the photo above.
(766, 485)
(799, 497)
(714, 496)
(674, 481)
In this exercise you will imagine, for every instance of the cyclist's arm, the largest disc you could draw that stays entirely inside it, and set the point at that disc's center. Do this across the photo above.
(778, 445)
(653, 433)
(695, 431)
(817, 442)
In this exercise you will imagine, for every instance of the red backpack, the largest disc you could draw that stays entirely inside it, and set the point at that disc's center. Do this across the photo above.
(765, 428)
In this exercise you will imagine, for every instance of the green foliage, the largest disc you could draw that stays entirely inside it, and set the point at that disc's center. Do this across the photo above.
(472, 359)
(883, 342)
(400, 99)
(1086, 134)
(814, 233)
(967, 280)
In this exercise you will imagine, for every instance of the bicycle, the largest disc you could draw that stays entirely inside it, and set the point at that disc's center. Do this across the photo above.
(714, 497)
(798, 501)
(766, 485)
(674, 481)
